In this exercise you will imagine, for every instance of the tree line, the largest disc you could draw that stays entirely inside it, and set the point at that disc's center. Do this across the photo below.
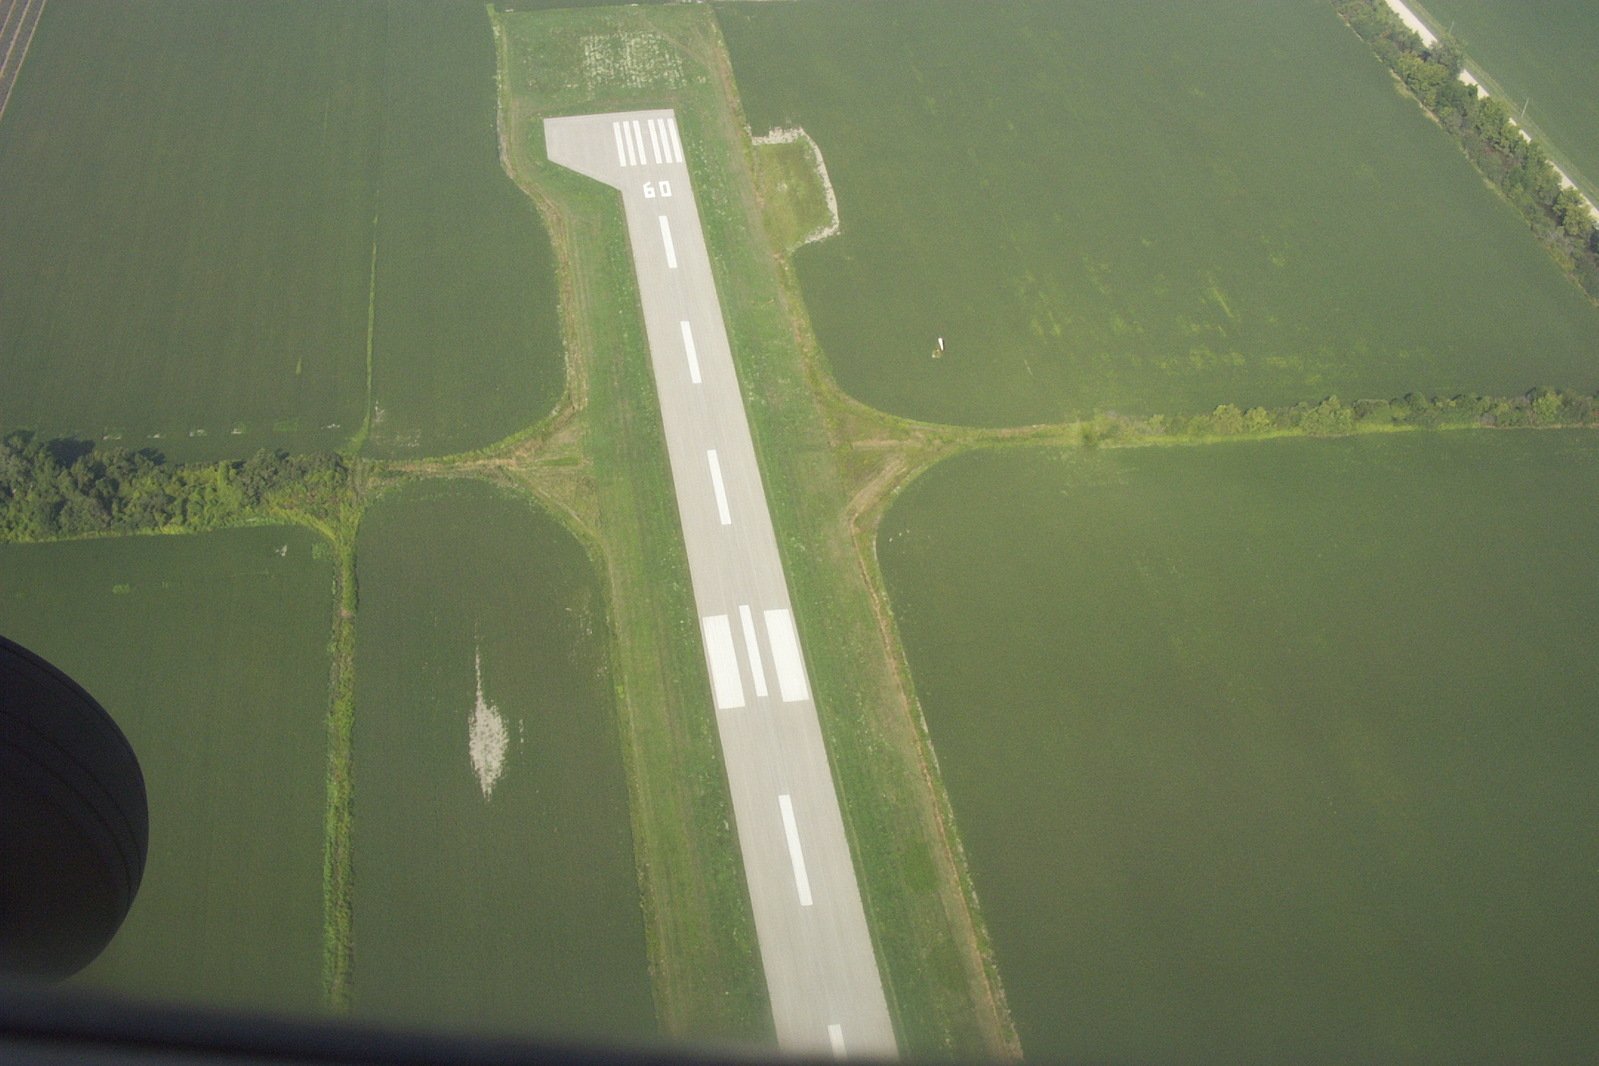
(1483, 125)
(1332, 417)
(66, 488)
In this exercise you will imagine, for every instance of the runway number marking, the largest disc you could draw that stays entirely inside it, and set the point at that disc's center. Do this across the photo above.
(725, 684)
(693, 356)
(652, 188)
(795, 855)
(666, 238)
(753, 649)
(786, 658)
(835, 1036)
(721, 492)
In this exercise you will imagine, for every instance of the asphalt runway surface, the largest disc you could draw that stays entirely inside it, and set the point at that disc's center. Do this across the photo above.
(821, 973)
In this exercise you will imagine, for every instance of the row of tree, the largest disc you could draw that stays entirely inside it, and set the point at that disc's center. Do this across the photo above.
(63, 488)
(1521, 168)
(1333, 417)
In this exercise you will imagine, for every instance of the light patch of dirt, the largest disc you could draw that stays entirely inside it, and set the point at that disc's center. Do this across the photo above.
(488, 739)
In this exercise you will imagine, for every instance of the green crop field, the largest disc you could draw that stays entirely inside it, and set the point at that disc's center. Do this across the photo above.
(494, 874)
(1272, 752)
(1143, 207)
(211, 654)
(214, 210)
(1542, 55)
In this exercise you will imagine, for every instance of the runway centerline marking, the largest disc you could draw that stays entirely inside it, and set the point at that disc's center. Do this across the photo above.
(835, 1037)
(723, 660)
(757, 670)
(666, 238)
(721, 492)
(795, 855)
(693, 356)
(786, 659)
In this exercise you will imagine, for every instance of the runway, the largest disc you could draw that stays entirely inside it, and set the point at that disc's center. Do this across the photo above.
(826, 991)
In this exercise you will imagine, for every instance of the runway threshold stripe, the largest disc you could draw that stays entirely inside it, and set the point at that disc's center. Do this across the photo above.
(627, 136)
(723, 660)
(791, 830)
(835, 1036)
(693, 356)
(621, 153)
(666, 238)
(721, 492)
(753, 649)
(655, 141)
(786, 659)
(677, 145)
(638, 139)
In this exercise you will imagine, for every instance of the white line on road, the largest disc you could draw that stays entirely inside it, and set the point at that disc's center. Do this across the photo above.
(621, 153)
(757, 671)
(693, 356)
(677, 145)
(795, 855)
(786, 658)
(835, 1036)
(729, 690)
(721, 492)
(666, 236)
(655, 141)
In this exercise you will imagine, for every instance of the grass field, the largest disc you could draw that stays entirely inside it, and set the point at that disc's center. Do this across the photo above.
(1143, 208)
(1272, 752)
(1541, 55)
(495, 887)
(210, 653)
(224, 208)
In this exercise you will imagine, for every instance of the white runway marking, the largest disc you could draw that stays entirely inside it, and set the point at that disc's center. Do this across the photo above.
(786, 658)
(693, 356)
(655, 141)
(677, 146)
(729, 690)
(835, 1036)
(795, 855)
(621, 153)
(638, 139)
(721, 493)
(627, 136)
(666, 236)
(757, 670)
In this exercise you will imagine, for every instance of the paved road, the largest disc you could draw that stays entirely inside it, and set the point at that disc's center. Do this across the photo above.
(821, 973)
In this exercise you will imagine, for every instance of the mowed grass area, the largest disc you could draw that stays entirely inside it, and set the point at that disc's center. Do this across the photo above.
(1542, 55)
(223, 214)
(1272, 752)
(515, 910)
(210, 652)
(1144, 208)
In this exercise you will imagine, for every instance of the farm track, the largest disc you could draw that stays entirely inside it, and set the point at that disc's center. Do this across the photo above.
(18, 20)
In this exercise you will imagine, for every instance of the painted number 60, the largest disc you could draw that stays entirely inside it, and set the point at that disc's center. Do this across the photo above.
(651, 188)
